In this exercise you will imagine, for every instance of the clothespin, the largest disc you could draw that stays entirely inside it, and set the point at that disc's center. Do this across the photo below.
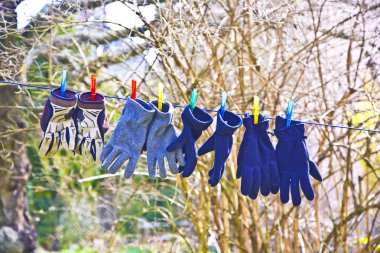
(223, 103)
(93, 87)
(133, 95)
(193, 99)
(160, 95)
(256, 109)
(289, 112)
(63, 83)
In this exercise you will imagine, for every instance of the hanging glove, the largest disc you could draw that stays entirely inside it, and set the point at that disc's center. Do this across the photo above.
(221, 142)
(160, 134)
(293, 161)
(92, 125)
(194, 123)
(128, 138)
(257, 165)
(58, 123)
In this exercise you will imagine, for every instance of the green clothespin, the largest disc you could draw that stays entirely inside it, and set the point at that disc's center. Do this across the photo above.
(193, 100)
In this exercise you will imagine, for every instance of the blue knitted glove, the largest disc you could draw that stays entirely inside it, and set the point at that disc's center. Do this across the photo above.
(194, 123)
(128, 138)
(160, 134)
(58, 122)
(221, 142)
(293, 161)
(257, 165)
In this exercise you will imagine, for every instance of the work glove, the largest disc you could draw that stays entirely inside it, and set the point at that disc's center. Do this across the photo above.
(128, 138)
(294, 162)
(221, 142)
(92, 125)
(257, 165)
(160, 134)
(194, 123)
(58, 123)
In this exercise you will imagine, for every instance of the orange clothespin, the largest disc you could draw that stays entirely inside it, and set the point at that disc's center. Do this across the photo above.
(133, 95)
(93, 87)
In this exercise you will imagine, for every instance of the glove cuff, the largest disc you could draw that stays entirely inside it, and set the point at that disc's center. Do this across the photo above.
(164, 117)
(138, 111)
(228, 124)
(296, 130)
(261, 126)
(69, 100)
(85, 102)
(198, 118)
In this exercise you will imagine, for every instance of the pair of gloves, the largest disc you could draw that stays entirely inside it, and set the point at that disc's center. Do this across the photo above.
(263, 168)
(141, 127)
(74, 123)
(194, 123)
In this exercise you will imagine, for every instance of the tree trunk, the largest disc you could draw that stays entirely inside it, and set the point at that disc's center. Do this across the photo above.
(17, 233)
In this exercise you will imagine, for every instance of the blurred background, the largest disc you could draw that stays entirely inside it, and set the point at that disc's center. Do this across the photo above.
(323, 54)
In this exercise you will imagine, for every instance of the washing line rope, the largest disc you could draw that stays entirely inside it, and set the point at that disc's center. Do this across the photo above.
(206, 109)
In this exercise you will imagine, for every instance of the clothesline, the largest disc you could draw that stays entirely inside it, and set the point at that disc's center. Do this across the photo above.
(206, 109)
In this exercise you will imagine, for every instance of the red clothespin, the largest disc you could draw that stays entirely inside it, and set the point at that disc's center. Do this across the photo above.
(93, 87)
(133, 95)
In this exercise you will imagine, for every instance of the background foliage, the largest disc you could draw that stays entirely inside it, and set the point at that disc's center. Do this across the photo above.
(323, 54)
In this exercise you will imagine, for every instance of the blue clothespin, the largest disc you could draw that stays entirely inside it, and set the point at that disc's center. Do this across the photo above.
(289, 112)
(63, 83)
(223, 103)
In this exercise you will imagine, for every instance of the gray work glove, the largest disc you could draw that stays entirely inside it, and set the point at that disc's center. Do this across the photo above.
(160, 134)
(128, 139)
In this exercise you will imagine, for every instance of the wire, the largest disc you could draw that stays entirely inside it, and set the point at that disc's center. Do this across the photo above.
(206, 109)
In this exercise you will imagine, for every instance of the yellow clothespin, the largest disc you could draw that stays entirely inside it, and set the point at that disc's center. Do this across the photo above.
(160, 89)
(256, 109)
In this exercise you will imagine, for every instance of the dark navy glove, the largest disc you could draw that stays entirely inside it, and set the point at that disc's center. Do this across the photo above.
(293, 161)
(257, 165)
(221, 142)
(194, 123)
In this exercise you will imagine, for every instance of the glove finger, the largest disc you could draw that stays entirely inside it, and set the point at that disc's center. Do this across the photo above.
(274, 177)
(295, 189)
(161, 167)
(110, 158)
(152, 165)
(171, 158)
(256, 183)
(119, 161)
(208, 146)
(265, 185)
(49, 144)
(191, 159)
(180, 158)
(211, 172)
(68, 137)
(217, 176)
(81, 146)
(238, 172)
(99, 149)
(246, 180)
(306, 187)
(314, 172)
(131, 166)
(95, 149)
(106, 150)
(284, 187)
(178, 142)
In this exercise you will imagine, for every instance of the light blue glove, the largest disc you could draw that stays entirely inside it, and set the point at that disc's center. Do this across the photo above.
(160, 134)
(128, 139)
